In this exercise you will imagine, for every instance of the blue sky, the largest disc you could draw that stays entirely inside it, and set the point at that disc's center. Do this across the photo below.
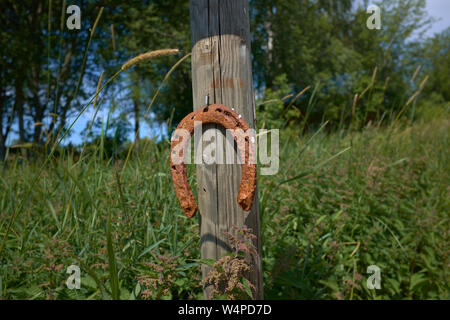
(78, 130)
(438, 9)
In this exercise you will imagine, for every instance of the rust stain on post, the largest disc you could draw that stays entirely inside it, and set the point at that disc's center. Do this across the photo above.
(228, 83)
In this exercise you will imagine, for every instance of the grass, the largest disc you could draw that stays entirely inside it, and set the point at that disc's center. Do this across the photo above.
(384, 201)
(340, 203)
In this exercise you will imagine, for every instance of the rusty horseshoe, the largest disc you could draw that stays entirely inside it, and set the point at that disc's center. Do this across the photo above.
(229, 119)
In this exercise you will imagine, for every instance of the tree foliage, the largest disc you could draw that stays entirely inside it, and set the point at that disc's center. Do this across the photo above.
(48, 72)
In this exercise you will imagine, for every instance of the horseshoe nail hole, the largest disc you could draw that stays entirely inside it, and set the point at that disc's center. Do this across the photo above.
(227, 113)
(206, 109)
(204, 190)
(219, 110)
(174, 167)
(246, 139)
(192, 117)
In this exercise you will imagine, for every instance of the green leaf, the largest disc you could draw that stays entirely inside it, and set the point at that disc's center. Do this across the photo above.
(416, 280)
(315, 168)
(209, 262)
(100, 285)
(247, 288)
(153, 246)
(114, 279)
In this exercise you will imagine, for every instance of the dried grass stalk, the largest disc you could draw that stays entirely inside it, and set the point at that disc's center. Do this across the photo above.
(113, 38)
(355, 101)
(374, 74)
(99, 84)
(422, 84)
(415, 73)
(411, 99)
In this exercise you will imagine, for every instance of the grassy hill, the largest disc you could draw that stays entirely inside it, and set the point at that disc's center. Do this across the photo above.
(339, 203)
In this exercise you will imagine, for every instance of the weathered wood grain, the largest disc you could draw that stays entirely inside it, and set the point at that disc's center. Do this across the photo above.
(221, 69)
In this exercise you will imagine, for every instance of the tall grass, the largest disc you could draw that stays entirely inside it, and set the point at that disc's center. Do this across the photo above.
(384, 201)
(340, 203)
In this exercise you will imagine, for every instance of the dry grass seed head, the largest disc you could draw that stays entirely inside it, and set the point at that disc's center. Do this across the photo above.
(148, 56)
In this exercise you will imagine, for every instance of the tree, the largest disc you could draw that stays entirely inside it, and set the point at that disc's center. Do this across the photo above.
(142, 26)
(436, 52)
(327, 45)
(45, 65)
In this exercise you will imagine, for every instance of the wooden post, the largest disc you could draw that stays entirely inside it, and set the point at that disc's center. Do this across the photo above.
(221, 71)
